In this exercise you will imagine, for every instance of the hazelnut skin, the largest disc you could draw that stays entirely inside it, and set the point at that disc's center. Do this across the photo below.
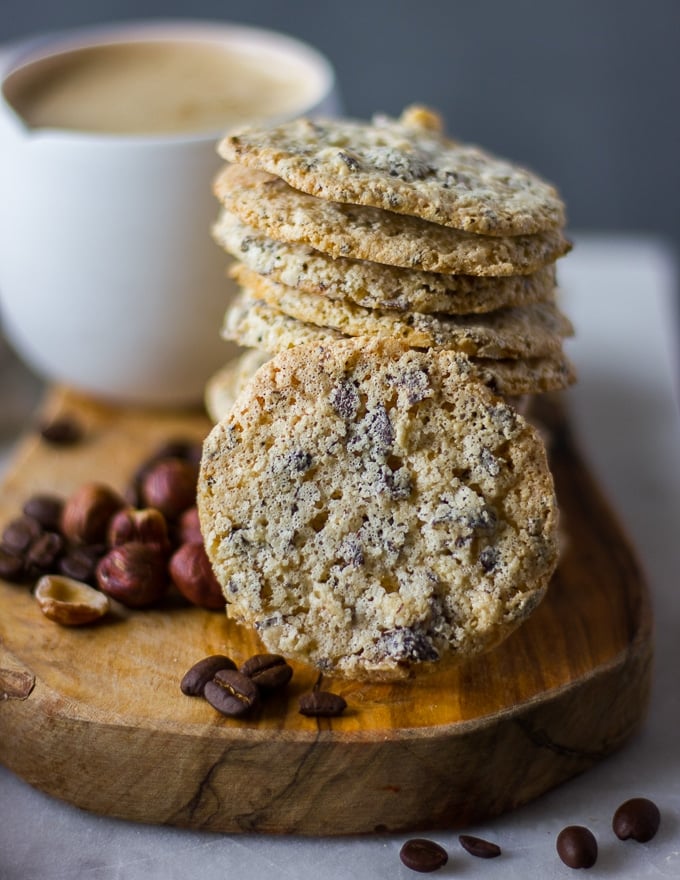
(134, 573)
(170, 486)
(87, 513)
(147, 526)
(193, 576)
(189, 528)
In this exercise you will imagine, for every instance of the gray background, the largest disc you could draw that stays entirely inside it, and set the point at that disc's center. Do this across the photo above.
(584, 92)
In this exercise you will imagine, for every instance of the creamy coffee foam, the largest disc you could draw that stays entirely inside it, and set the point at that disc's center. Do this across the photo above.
(155, 87)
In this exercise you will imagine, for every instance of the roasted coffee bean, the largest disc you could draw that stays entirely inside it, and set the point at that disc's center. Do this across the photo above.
(20, 533)
(46, 509)
(268, 671)
(43, 553)
(476, 846)
(11, 566)
(322, 704)
(425, 856)
(62, 431)
(80, 563)
(196, 678)
(636, 819)
(232, 693)
(577, 847)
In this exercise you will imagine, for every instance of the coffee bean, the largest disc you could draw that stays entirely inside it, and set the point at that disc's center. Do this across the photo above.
(201, 673)
(268, 671)
(20, 533)
(43, 553)
(232, 693)
(423, 855)
(62, 431)
(46, 509)
(11, 566)
(636, 819)
(476, 846)
(80, 563)
(322, 704)
(577, 847)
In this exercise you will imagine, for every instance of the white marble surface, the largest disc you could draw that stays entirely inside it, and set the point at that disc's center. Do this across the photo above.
(619, 292)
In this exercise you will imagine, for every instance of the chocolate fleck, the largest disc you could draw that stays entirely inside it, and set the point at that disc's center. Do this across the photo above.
(405, 644)
(350, 161)
(488, 558)
(380, 427)
(345, 400)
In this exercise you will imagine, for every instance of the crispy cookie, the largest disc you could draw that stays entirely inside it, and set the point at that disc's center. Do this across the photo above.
(519, 379)
(530, 331)
(363, 233)
(224, 386)
(376, 285)
(254, 323)
(332, 531)
(407, 166)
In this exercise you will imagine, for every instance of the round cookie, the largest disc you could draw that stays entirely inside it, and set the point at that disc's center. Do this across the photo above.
(407, 166)
(377, 285)
(369, 510)
(535, 330)
(224, 386)
(255, 324)
(363, 233)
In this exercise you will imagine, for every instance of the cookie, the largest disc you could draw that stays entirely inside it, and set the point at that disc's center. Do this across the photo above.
(376, 285)
(407, 166)
(332, 531)
(363, 233)
(516, 380)
(253, 323)
(224, 386)
(531, 331)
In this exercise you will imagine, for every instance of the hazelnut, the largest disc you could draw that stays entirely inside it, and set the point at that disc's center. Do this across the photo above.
(189, 528)
(170, 486)
(193, 576)
(147, 526)
(86, 515)
(69, 602)
(135, 574)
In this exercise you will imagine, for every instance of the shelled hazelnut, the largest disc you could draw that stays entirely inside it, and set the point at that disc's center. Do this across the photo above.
(70, 602)
(134, 573)
(189, 528)
(170, 486)
(193, 576)
(147, 525)
(88, 511)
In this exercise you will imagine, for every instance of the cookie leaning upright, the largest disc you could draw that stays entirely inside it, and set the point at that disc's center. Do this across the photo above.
(368, 509)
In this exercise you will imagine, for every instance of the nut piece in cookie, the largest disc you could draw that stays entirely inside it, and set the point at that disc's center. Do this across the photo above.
(369, 509)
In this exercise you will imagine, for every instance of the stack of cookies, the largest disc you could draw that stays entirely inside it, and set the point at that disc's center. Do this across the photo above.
(371, 499)
(391, 229)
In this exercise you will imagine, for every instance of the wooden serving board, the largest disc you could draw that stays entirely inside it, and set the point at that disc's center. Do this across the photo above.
(95, 715)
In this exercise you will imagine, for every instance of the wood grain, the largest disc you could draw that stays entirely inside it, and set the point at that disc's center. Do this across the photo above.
(95, 716)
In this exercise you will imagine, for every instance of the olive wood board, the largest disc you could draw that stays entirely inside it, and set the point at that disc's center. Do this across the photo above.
(95, 716)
